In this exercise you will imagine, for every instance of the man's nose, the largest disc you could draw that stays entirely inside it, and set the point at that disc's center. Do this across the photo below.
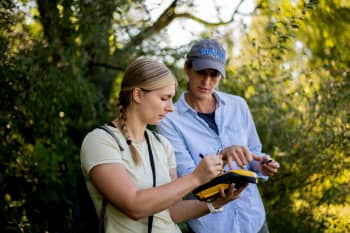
(206, 78)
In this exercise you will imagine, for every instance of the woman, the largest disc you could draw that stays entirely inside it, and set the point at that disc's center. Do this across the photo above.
(125, 179)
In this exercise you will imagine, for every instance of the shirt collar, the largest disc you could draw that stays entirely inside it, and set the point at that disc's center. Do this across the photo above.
(183, 106)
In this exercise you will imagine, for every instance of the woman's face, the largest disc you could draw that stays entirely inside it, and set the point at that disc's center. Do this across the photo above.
(156, 104)
(202, 83)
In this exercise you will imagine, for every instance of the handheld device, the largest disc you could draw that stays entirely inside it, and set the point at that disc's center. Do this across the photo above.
(211, 190)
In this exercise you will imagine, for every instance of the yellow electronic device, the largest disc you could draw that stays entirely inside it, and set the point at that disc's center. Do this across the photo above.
(211, 190)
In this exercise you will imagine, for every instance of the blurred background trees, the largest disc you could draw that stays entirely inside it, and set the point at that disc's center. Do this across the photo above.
(62, 61)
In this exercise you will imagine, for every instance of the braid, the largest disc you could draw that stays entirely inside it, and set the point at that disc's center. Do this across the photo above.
(124, 129)
(148, 75)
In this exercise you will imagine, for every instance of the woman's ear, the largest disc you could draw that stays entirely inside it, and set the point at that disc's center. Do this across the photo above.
(137, 95)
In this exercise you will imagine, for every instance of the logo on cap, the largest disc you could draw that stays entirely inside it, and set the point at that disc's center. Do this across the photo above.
(212, 52)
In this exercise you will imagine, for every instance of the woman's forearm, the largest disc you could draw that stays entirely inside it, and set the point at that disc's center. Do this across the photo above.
(188, 209)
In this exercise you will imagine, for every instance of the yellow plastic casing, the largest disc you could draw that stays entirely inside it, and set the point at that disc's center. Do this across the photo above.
(205, 194)
(214, 190)
(245, 173)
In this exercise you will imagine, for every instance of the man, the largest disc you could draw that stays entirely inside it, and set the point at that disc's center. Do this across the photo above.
(209, 122)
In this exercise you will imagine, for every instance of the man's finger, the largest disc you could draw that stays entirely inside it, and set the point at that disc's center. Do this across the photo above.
(257, 158)
(276, 164)
(238, 159)
(247, 154)
(242, 157)
(269, 170)
(229, 162)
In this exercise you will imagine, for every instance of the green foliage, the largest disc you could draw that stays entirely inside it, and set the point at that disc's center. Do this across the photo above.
(57, 71)
(298, 87)
(45, 112)
(46, 108)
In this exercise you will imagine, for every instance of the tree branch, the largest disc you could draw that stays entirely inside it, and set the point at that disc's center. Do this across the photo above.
(168, 16)
(164, 20)
(211, 24)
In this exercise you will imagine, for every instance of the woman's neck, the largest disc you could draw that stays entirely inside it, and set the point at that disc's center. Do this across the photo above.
(134, 126)
(203, 105)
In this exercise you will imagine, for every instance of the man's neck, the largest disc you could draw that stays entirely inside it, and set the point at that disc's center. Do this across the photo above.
(203, 105)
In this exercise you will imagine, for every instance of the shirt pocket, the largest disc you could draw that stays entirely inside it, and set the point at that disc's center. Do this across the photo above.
(236, 135)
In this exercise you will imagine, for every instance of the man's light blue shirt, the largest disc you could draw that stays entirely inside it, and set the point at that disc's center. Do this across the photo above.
(190, 136)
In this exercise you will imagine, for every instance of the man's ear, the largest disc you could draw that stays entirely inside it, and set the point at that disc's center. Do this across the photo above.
(187, 70)
(137, 95)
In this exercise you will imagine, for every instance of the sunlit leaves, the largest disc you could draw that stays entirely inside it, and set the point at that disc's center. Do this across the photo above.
(291, 59)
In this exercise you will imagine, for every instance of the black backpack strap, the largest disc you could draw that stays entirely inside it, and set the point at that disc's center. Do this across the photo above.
(150, 218)
(109, 131)
(101, 227)
(85, 219)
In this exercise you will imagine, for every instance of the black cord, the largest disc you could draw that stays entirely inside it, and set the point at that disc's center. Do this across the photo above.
(150, 218)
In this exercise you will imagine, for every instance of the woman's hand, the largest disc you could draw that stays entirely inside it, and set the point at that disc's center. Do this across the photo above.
(229, 195)
(208, 168)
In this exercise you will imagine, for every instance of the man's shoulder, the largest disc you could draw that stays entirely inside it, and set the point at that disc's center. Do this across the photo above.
(230, 98)
(174, 115)
(179, 109)
(179, 115)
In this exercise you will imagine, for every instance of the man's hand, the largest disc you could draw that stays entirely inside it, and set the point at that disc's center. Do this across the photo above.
(266, 165)
(240, 154)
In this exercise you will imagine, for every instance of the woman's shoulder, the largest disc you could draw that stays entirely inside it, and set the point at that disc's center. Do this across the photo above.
(98, 135)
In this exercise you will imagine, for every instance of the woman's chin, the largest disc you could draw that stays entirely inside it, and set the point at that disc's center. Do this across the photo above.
(156, 122)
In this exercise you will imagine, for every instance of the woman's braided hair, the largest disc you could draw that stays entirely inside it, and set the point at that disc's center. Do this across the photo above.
(147, 74)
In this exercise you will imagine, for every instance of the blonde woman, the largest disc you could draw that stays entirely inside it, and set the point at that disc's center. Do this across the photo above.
(124, 178)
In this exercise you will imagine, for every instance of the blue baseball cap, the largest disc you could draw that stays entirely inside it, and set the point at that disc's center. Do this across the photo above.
(208, 54)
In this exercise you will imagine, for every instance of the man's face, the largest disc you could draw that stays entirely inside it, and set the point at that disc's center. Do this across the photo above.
(203, 82)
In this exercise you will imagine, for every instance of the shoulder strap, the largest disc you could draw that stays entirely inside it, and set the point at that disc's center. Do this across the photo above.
(101, 224)
(105, 128)
(101, 227)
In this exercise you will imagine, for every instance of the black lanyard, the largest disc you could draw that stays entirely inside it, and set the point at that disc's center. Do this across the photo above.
(150, 218)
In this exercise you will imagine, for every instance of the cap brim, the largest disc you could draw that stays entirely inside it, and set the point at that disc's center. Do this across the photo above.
(202, 64)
